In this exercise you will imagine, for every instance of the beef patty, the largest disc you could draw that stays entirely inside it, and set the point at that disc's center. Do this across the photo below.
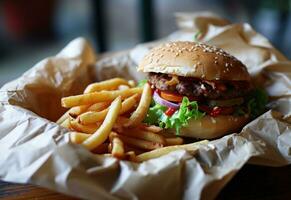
(188, 86)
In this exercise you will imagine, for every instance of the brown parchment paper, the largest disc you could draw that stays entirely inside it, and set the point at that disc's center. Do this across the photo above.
(38, 151)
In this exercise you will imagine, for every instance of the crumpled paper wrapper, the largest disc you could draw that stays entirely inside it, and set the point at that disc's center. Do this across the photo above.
(36, 150)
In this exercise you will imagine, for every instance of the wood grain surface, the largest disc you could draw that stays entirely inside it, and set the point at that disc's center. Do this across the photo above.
(252, 182)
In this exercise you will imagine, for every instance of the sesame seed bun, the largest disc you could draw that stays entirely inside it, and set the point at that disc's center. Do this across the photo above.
(190, 59)
(212, 127)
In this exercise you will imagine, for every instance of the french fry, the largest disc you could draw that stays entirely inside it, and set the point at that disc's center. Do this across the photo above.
(192, 147)
(139, 114)
(117, 148)
(139, 143)
(89, 129)
(144, 135)
(103, 132)
(123, 87)
(131, 83)
(110, 147)
(151, 128)
(73, 112)
(95, 97)
(66, 123)
(137, 151)
(78, 138)
(77, 110)
(99, 106)
(93, 117)
(111, 84)
(63, 117)
(174, 141)
(130, 156)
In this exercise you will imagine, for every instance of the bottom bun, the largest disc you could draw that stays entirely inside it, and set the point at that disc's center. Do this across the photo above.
(213, 127)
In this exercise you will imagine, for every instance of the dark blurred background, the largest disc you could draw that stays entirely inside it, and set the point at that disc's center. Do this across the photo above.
(33, 29)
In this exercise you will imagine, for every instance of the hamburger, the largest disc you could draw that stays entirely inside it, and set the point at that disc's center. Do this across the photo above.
(199, 90)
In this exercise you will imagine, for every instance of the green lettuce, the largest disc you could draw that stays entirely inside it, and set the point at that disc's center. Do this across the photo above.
(257, 102)
(141, 83)
(188, 110)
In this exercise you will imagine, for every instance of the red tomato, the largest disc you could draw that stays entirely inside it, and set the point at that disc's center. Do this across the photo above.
(171, 96)
(170, 111)
(215, 111)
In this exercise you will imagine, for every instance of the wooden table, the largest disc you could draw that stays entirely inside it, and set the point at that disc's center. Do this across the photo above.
(252, 182)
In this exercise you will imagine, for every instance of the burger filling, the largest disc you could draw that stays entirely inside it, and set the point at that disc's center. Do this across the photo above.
(177, 99)
(199, 88)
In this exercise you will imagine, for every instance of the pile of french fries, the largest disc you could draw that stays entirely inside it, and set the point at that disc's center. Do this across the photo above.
(108, 119)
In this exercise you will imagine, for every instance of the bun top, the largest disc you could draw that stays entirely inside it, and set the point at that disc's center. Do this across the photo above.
(192, 59)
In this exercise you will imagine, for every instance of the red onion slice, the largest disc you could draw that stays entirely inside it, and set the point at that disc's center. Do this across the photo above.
(164, 102)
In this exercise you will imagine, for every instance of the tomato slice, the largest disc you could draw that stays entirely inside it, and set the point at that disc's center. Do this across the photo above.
(215, 111)
(171, 96)
(170, 111)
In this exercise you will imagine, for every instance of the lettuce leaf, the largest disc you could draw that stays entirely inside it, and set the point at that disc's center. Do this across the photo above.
(188, 110)
(141, 83)
(257, 102)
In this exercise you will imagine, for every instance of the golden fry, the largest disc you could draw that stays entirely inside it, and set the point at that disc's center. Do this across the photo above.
(165, 150)
(77, 110)
(78, 138)
(131, 83)
(111, 84)
(117, 148)
(151, 128)
(63, 117)
(89, 129)
(73, 112)
(144, 135)
(103, 132)
(130, 155)
(66, 123)
(140, 113)
(140, 143)
(123, 87)
(95, 97)
(174, 141)
(99, 106)
(136, 150)
(93, 117)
